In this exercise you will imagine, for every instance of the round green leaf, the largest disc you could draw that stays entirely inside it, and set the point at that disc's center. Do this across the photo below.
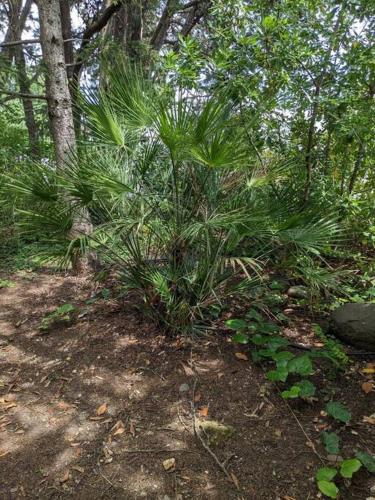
(367, 460)
(236, 324)
(293, 392)
(328, 489)
(349, 467)
(301, 365)
(326, 474)
(338, 411)
(240, 338)
(331, 442)
(279, 375)
(307, 388)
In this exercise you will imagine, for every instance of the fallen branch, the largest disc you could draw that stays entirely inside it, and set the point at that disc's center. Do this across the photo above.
(204, 444)
(152, 450)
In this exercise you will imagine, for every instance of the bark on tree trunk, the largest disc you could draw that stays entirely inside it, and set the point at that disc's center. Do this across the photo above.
(60, 109)
(58, 96)
(17, 18)
(362, 148)
(27, 104)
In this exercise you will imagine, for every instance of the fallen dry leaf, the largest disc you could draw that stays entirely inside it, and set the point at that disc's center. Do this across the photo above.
(235, 480)
(78, 468)
(65, 477)
(367, 386)
(102, 409)
(370, 419)
(203, 412)
(118, 431)
(132, 428)
(368, 370)
(188, 371)
(241, 356)
(169, 464)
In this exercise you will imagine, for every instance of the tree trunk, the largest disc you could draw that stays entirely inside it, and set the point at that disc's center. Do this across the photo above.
(66, 26)
(27, 103)
(58, 95)
(17, 18)
(362, 147)
(358, 162)
(59, 107)
(309, 160)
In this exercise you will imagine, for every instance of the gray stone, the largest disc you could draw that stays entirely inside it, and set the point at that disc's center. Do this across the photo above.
(298, 292)
(184, 388)
(355, 324)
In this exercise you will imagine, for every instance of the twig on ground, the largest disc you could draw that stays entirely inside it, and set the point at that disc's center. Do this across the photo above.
(203, 443)
(311, 444)
(152, 450)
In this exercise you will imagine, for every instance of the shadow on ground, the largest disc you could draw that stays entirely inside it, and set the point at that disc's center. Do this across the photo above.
(65, 395)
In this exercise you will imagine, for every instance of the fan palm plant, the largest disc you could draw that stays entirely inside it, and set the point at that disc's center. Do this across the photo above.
(174, 196)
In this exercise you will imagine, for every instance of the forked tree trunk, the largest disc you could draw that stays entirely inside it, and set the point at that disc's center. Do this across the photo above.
(59, 106)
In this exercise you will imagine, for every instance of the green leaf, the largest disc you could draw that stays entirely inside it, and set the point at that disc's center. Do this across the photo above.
(277, 342)
(307, 388)
(255, 315)
(338, 411)
(331, 442)
(236, 324)
(65, 308)
(268, 328)
(349, 467)
(301, 365)
(367, 460)
(326, 474)
(293, 392)
(258, 339)
(269, 22)
(328, 489)
(240, 338)
(279, 375)
(282, 358)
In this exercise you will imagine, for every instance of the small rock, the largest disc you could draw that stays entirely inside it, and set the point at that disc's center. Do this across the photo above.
(298, 292)
(216, 432)
(334, 458)
(184, 388)
(372, 489)
(169, 464)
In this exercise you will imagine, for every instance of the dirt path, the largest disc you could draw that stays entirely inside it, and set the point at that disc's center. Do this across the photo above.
(92, 410)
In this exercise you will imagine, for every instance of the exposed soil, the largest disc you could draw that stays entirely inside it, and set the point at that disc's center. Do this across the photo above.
(91, 410)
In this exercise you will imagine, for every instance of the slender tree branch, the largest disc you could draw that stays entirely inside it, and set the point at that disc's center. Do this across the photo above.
(23, 95)
(31, 41)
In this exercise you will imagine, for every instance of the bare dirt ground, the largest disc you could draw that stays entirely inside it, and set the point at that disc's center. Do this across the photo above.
(91, 410)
